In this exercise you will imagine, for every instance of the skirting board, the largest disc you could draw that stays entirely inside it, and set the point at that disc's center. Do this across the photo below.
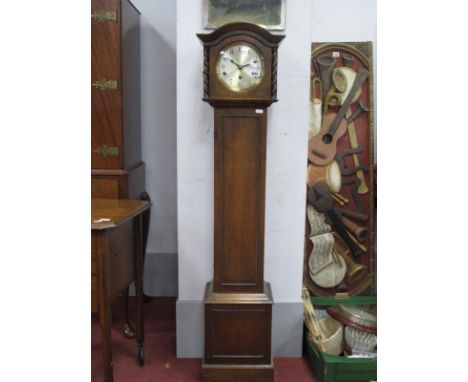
(286, 329)
(160, 277)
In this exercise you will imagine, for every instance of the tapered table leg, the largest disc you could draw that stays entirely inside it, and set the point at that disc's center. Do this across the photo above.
(138, 269)
(105, 313)
(128, 330)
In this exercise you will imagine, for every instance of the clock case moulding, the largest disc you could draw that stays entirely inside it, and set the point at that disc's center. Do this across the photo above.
(266, 43)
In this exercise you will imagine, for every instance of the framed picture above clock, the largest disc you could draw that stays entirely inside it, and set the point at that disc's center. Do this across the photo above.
(269, 14)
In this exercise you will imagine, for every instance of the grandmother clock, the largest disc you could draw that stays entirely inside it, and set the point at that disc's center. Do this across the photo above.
(240, 62)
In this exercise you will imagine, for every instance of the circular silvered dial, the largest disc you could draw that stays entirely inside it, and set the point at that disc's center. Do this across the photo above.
(240, 67)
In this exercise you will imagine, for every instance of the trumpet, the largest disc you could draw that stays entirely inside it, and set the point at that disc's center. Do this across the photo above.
(354, 271)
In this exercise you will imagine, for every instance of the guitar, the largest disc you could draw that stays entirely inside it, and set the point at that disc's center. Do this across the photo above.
(322, 147)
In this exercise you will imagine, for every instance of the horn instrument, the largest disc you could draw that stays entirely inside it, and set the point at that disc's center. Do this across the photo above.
(359, 232)
(342, 80)
(315, 108)
(355, 271)
(362, 247)
(325, 66)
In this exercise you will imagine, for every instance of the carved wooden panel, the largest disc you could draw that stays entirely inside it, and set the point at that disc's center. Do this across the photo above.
(341, 260)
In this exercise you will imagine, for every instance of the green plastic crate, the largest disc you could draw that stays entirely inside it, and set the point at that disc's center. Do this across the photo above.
(330, 368)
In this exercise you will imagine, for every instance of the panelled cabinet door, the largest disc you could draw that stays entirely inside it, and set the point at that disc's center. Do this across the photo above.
(106, 92)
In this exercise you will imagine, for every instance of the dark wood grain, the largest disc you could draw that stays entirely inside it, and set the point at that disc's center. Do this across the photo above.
(118, 184)
(115, 114)
(239, 199)
(104, 187)
(102, 297)
(106, 110)
(238, 303)
(121, 250)
(238, 333)
(266, 43)
(116, 259)
(117, 211)
(232, 373)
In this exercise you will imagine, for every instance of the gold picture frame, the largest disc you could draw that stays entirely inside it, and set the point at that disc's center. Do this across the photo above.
(269, 14)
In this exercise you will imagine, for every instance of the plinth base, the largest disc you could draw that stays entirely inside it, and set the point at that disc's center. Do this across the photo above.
(238, 336)
(237, 373)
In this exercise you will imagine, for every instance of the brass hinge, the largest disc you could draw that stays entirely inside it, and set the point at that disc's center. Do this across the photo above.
(103, 84)
(103, 16)
(106, 151)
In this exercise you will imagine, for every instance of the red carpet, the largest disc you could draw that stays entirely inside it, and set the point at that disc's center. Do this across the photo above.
(161, 364)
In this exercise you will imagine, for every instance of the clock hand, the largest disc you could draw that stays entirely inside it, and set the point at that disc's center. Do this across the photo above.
(251, 62)
(229, 58)
(235, 63)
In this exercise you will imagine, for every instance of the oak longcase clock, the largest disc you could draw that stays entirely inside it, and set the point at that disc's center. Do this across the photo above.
(240, 65)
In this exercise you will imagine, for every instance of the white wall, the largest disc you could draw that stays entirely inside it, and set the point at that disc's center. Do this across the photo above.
(194, 158)
(159, 126)
(345, 20)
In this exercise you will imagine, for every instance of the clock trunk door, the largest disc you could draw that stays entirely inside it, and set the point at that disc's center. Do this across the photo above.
(240, 136)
